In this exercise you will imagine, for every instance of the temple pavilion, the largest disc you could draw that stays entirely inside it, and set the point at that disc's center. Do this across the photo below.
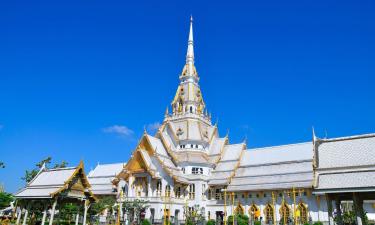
(51, 188)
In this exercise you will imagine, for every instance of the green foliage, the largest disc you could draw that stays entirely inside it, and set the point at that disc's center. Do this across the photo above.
(240, 218)
(211, 222)
(136, 206)
(306, 223)
(188, 222)
(318, 223)
(30, 174)
(349, 217)
(230, 220)
(103, 203)
(257, 222)
(146, 222)
(5, 199)
(68, 212)
(194, 214)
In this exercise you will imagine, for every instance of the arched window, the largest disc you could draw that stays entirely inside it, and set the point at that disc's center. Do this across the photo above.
(268, 213)
(284, 212)
(209, 193)
(254, 212)
(239, 209)
(303, 214)
(191, 109)
(218, 194)
(191, 191)
(158, 188)
(178, 192)
(168, 191)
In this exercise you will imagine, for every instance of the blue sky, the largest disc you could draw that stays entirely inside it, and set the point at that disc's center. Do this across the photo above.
(79, 80)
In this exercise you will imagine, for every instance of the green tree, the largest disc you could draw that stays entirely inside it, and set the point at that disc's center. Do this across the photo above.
(98, 207)
(211, 222)
(194, 215)
(30, 174)
(240, 218)
(136, 206)
(68, 211)
(5, 199)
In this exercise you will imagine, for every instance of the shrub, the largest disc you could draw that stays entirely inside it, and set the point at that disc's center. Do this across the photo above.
(257, 222)
(146, 222)
(242, 219)
(306, 223)
(230, 220)
(211, 222)
(318, 223)
(189, 222)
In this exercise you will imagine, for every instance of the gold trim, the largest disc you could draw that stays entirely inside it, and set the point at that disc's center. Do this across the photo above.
(238, 164)
(85, 183)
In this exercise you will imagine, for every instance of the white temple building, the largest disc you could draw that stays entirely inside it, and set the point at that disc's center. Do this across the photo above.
(187, 163)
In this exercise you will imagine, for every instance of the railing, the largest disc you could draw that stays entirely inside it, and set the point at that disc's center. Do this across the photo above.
(156, 199)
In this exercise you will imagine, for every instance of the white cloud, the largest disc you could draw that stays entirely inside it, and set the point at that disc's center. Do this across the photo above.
(152, 127)
(119, 129)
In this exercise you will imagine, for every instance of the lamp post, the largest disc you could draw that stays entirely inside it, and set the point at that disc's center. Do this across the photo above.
(274, 208)
(232, 208)
(225, 206)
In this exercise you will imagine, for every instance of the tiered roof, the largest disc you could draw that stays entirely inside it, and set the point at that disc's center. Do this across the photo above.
(102, 176)
(277, 167)
(345, 164)
(50, 183)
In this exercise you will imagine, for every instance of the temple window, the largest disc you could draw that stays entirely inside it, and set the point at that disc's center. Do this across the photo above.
(254, 212)
(168, 191)
(217, 194)
(268, 212)
(191, 109)
(191, 191)
(178, 192)
(209, 194)
(203, 189)
(197, 170)
(284, 212)
(302, 208)
(158, 188)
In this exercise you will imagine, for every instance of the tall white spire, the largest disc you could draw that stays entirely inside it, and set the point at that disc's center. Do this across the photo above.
(188, 99)
(190, 49)
(189, 72)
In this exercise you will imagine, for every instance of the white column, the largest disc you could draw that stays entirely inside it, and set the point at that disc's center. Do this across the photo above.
(121, 212)
(19, 214)
(25, 217)
(52, 212)
(44, 216)
(149, 190)
(85, 212)
(130, 186)
(77, 218)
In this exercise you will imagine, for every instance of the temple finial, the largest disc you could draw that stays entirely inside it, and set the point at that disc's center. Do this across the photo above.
(190, 50)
